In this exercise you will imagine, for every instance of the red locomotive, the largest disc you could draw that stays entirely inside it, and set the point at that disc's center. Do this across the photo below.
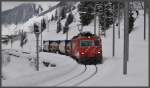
(85, 48)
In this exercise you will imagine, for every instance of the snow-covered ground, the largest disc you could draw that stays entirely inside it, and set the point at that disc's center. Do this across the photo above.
(21, 72)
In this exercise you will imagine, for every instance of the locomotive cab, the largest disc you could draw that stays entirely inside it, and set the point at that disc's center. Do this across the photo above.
(90, 50)
(87, 50)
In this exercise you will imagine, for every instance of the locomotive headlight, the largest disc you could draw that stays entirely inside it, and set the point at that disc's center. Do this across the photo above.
(82, 53)
(98, 52)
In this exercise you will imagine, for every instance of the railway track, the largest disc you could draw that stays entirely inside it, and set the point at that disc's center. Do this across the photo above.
(80, 78)
(85, 68)
(76, 80)
(94, 73)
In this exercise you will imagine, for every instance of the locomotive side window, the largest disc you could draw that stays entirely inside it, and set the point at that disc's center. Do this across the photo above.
(86, 43)
(96, 42)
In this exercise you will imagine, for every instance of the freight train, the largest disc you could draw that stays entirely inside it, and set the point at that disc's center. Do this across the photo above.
(85, 48)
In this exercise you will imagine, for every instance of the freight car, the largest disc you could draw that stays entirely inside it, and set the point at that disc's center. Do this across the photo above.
(50, 46)
(53, 46)
(65, 47)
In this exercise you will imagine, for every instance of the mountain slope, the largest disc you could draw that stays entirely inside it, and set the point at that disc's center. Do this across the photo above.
(18, 14)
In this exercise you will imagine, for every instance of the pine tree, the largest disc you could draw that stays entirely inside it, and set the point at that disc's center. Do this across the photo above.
(68, 22)
(63, 13)
(69, 19)
(56, 15)
(43, 25)
(40, 9)
(86, 8)
(103, 16)
(52, 18)
(106, 12)
(59, 27)
(23, 39)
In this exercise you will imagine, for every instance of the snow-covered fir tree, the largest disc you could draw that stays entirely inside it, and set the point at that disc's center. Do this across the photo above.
(63, 13)
(56, 15)
(105, 14)
(52, 18)
(86, 8)
(104, 10)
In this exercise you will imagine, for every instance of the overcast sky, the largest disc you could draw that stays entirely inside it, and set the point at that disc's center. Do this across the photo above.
(11, 4)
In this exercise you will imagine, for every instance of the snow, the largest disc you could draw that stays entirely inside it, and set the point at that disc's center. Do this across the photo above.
(45, 5)
(110, 73)
(32, 78)
(27, 26)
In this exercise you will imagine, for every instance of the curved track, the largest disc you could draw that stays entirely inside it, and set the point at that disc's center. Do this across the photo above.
(76, 80)
(80, 78)
(72, 77)
(94, 73)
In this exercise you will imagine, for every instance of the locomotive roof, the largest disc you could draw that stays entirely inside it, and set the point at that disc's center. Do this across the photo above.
(85, 35)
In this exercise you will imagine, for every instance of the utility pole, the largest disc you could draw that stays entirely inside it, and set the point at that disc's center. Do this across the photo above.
(41, 39)
(126, 36)
(1, 49)
(119, 20)
(149, 23)
(43, 27)
(95, 19)
(67, 30)
(113, 30)
(37, 51)
(37, 32)
(67, 35)
(41, 32)
(144, 19)
(104, 20)
(99, 26)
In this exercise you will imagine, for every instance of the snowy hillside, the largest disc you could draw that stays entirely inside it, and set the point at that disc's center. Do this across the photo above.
(10, 16)
(110, 73)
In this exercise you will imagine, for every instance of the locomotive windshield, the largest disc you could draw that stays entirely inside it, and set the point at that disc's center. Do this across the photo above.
(87, 43)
